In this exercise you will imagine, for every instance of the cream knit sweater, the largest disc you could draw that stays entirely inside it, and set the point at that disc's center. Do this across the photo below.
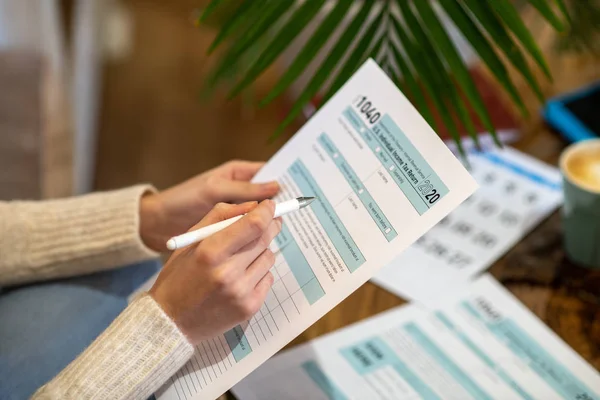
(142, 348)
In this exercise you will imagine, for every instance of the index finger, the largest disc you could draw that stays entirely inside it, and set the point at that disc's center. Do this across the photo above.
(245, 170)
(240, 233)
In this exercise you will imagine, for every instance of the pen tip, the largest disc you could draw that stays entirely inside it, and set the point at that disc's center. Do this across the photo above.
(305, 201)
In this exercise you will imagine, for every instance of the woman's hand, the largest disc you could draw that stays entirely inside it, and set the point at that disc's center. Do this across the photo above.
(175, 210)
(209, 288)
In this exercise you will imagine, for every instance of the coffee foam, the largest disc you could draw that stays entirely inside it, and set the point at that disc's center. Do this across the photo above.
(581, 165)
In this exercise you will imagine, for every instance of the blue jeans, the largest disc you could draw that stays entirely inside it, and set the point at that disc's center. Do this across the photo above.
(44, 326)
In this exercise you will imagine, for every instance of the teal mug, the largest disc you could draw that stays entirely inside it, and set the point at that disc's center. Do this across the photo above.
(580, 168)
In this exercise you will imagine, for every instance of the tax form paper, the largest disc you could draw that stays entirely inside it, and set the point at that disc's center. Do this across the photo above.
(482, 345)
(382, 177)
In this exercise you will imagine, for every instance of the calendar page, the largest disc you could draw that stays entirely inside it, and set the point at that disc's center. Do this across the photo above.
(516, 193)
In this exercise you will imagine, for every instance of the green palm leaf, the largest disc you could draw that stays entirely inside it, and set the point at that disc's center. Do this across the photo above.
(210, 8)
(544, 8)
(412, 86)
(427, 64)
(376, 49)
(509, 15)
(238, 18)
(310, 49)
(385, 66)
(563, 9)
(429, 79)
(441, 40)
(271, 12)
(445, 83)
(483, 47)
(357, 56)
(284, 38)
(490, 22)
(327, 67)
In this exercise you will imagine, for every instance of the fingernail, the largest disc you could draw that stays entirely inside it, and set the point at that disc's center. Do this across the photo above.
(279, 222)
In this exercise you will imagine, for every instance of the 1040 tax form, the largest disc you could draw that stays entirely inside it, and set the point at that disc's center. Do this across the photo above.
(382, 178)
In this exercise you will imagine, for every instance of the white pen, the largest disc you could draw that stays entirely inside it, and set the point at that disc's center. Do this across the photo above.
(177, 242)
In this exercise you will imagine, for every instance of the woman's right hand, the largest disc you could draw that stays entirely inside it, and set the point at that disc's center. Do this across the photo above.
(209, 288)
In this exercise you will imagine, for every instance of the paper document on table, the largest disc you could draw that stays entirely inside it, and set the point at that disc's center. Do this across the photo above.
(516, 192)
(382, 177)
(484, 345)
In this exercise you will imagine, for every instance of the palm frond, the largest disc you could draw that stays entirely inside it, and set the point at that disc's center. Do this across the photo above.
(563, 9)
(412, 88)
(509, 15)
(357, 56)
(235, 20)
(326, 68)
(500, 35)
(430, 79)
(310, 50)
(483, 47)
(583, 35)
(456, 70)
(408, 39)
(543, 6)
(210, 8)
(296, 23)
(256, 28)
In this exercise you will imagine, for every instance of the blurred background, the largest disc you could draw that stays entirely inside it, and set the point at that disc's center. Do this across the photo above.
(99, 94)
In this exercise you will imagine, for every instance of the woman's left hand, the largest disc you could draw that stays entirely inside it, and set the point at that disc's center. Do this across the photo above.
(175, 210)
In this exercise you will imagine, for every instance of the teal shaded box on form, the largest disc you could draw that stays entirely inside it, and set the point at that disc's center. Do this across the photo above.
(407, 167)
(238, 343)
(445, 362)
(335, 229)
(404, 147)
(359, 189)
(385, 158)
(372, 354)
(323, 382)
(301, 269)
(482, 356)
(529, 350)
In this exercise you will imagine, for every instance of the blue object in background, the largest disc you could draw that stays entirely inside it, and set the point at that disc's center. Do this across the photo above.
(576, 115)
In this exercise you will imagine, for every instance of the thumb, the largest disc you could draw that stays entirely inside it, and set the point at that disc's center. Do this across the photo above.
(238, 191)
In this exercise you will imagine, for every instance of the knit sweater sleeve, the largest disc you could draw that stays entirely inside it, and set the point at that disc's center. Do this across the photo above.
(42, 240)
(131, 359)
